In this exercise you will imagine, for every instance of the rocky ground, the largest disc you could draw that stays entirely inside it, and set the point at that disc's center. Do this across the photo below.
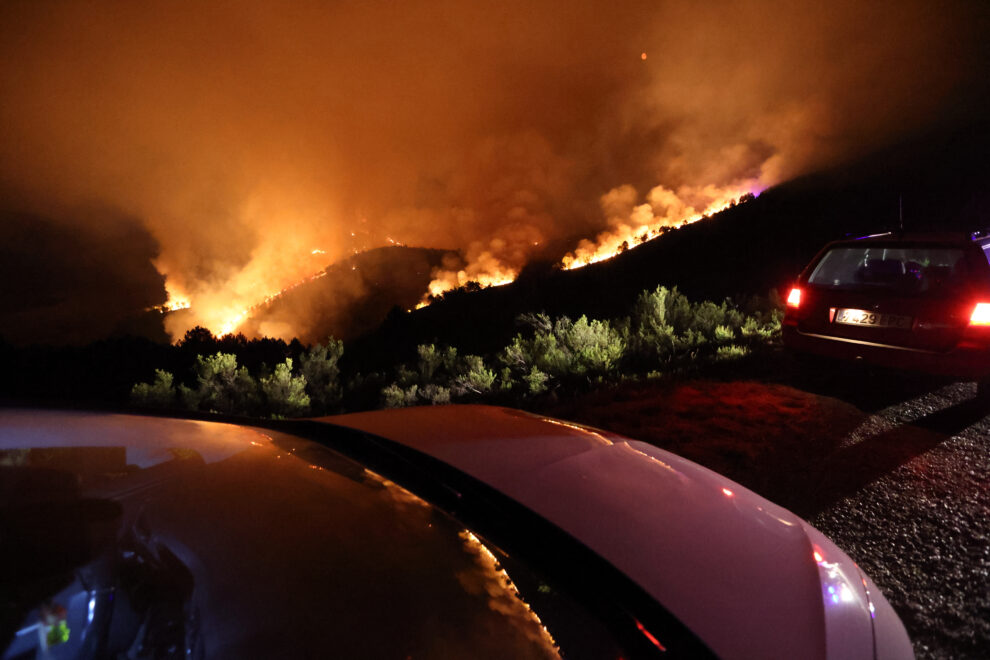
(895, 469)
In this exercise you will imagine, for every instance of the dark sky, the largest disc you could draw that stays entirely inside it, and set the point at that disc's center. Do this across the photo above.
(234, 138)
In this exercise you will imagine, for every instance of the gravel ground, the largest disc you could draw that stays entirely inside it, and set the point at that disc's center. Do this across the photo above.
(894, 470)
(922, 530)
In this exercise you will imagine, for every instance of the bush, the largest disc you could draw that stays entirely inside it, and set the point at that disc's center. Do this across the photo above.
(473, 377)
(159, 394)
(319, 366)
(731, 352)
(667, 329)
(285, 394)
(665, 332)
(562, 351)
(439, 376)
(222, 386)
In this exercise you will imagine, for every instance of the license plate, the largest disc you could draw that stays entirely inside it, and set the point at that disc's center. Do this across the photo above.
(872, 319)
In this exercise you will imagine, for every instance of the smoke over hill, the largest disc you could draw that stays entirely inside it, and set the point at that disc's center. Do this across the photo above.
(256, 142)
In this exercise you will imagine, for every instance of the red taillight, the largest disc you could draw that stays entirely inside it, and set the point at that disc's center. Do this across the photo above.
(980, 315)
(794, 298)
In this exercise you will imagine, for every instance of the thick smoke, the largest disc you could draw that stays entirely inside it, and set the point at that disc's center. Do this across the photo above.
(246, 135)
(79, 282)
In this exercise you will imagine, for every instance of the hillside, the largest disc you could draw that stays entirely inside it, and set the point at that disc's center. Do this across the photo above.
(351, 299)
(941, 179)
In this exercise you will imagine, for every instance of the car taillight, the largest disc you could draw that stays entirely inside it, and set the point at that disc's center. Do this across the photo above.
(794, 298)
(980, 315)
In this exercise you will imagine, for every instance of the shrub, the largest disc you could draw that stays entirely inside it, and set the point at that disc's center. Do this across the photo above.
(222, 386)
(319, 365)
(667, 329)
(285, 394)
(439, 376)
(159, 394)
(562, 351)
(724, 334)
(731, 352)
(473, 378)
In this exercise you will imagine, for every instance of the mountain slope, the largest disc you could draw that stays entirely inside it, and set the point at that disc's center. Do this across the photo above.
(943, 181)
(352, 298)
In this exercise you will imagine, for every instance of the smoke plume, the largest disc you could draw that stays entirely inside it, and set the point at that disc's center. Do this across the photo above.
(256, 142)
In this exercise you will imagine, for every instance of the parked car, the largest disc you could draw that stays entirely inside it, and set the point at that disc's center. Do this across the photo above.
(907, 301)
(440, 532)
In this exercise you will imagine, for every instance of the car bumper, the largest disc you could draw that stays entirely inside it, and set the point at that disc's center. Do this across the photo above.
(962, 362)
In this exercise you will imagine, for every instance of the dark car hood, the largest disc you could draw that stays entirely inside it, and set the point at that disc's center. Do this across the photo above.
(233, 546)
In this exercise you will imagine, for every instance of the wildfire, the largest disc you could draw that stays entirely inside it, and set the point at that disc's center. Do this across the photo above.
(498, 262)
(174, 300)
(224, 318)
(448, 280)
(631, 225)
(231, 322)
(171, 305)
(664, 210)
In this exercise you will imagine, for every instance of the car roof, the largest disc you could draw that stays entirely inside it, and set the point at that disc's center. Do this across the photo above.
(942, 239)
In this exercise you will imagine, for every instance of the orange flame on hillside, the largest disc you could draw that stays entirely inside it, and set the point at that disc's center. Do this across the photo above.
(223, 316)
(664, 209)
(486, 273)
(174, 302)
(487, 265)
(631, 224)
(231, 322)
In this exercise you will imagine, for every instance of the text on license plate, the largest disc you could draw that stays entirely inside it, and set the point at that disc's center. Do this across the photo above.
(875, 319)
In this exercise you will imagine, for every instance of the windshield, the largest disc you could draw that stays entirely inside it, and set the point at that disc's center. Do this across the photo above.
(904, 270)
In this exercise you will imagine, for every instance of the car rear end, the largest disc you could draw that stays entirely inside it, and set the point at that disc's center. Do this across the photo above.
(914, 303)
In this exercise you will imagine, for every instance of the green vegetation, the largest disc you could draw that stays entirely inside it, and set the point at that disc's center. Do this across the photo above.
(560, 352)
(665, 333)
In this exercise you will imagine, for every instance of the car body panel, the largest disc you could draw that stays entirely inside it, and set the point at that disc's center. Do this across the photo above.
(724, 560)
(271, 544)
(256, 553)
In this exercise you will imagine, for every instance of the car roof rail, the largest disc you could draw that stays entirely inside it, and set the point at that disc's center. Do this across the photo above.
(860, 238)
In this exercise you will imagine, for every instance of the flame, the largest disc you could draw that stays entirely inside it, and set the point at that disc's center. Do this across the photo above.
(664, 209)
(174, 300)
(631, 225)
(236, 317)
(171, 305)
(495, 274)
(225, 319)
(498, 261)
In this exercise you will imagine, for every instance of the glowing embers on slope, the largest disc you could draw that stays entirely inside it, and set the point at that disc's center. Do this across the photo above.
(450, 280)
(174, 300)
(664, 210)
(231, 318)
(631, 225)
(232, 321)
(171, 305)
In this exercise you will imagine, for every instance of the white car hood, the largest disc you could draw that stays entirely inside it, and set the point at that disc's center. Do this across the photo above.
(738, 570)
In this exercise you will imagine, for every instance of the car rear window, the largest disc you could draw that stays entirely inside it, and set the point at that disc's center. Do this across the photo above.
(904, 270)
